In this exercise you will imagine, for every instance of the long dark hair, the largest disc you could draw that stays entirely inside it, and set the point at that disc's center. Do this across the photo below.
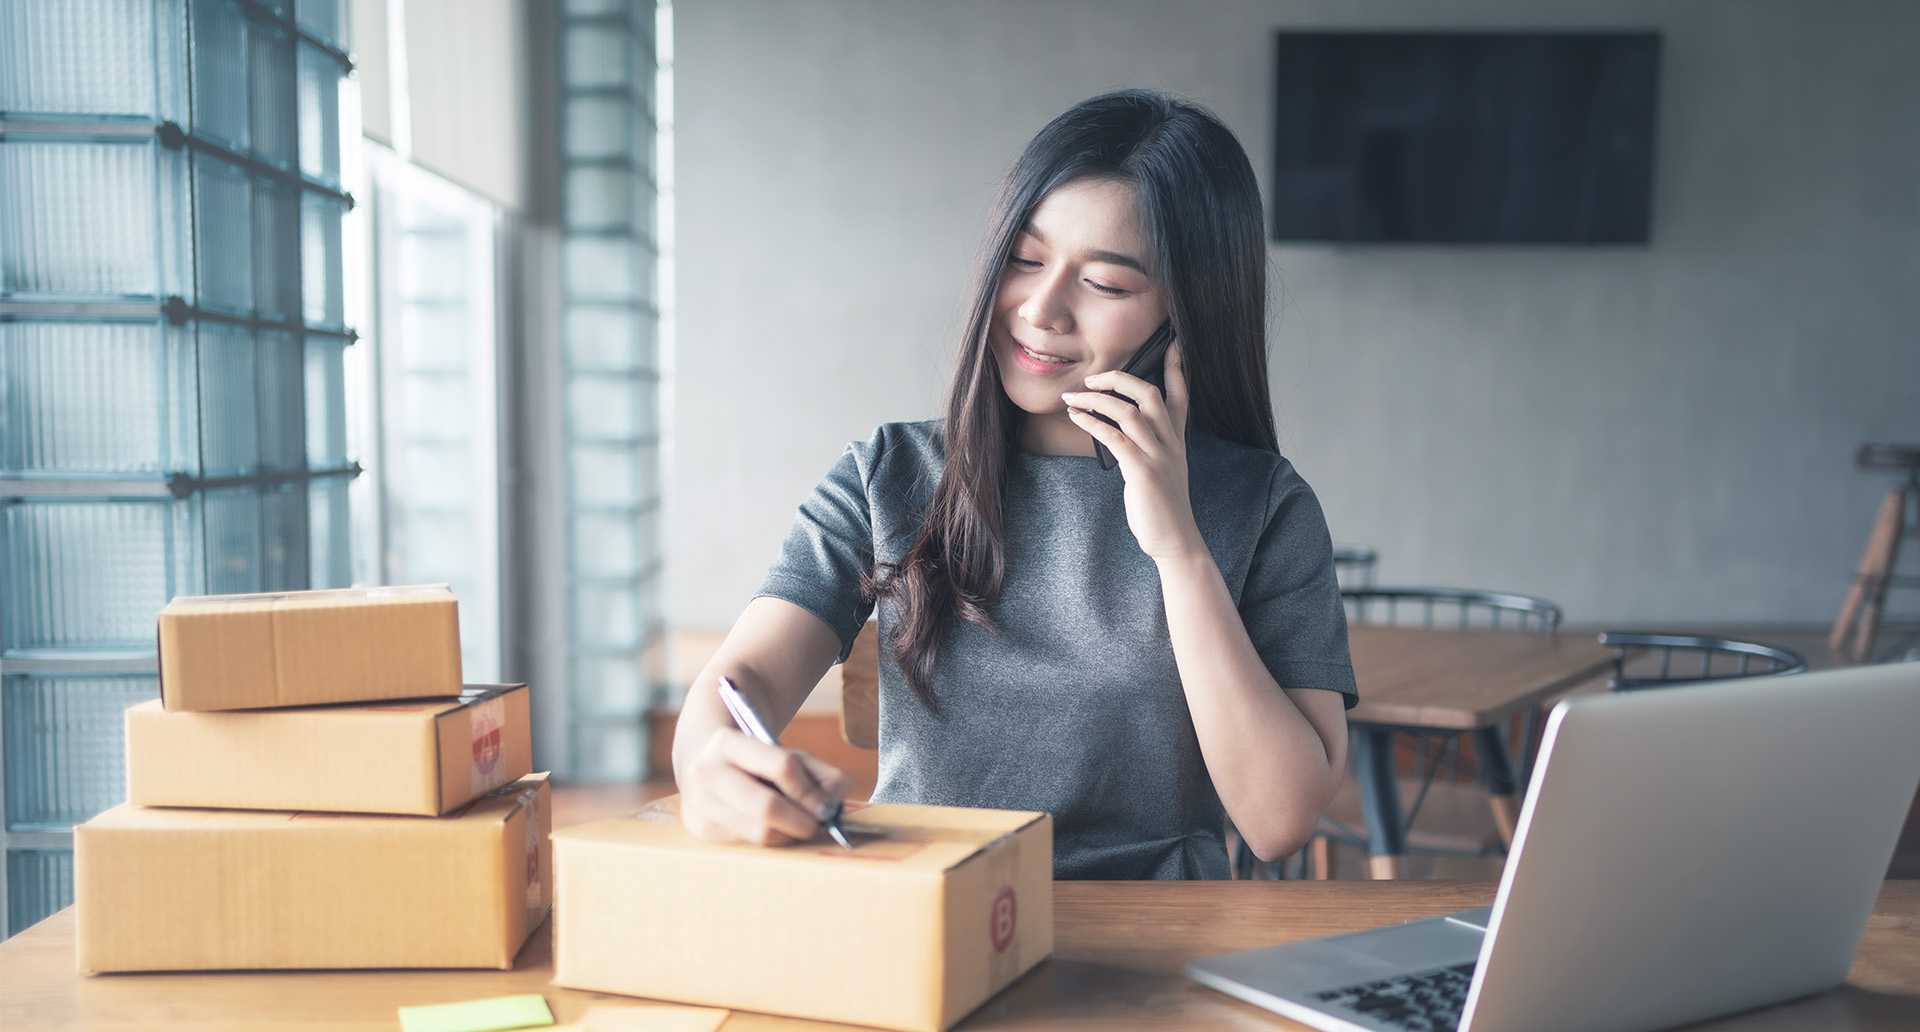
(1199, 206)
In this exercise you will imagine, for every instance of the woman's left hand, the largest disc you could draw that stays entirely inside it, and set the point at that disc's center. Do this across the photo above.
(1151, 446)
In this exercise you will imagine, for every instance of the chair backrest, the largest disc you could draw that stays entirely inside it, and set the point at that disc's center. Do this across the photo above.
(1461, 608)
(1353, 566)
(1732, 659)
(860, 690)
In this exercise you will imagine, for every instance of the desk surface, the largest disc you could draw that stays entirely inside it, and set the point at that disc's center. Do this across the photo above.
(1120, 947)
(1464, 680)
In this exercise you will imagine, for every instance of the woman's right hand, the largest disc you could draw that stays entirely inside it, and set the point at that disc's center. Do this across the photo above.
(741, 790)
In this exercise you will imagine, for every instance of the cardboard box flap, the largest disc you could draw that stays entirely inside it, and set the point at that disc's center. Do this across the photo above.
(503, 802)
(318, 598)
(470, 695)
(496, 807)
(927, 840)
(347, 712)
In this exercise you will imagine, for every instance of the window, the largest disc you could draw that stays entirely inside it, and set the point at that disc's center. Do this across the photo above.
(435, 482)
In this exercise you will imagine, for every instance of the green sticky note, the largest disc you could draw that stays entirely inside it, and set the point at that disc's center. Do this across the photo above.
(489, 1015)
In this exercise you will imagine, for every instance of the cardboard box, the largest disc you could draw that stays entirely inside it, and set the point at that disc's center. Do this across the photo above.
(936, 910)
(424, 757)
(187, 890)
(223, 652)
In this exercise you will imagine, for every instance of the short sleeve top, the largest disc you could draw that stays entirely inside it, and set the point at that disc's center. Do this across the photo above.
(1075, 706)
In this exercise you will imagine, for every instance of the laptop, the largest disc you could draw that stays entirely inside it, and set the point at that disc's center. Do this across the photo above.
(1683, 853)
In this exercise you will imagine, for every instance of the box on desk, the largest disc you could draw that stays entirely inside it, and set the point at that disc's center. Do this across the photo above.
(421, 757)
(302, 648)
(181, 890)
(937, 909)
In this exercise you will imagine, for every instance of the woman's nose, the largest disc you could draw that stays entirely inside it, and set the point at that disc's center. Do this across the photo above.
(1045, 308)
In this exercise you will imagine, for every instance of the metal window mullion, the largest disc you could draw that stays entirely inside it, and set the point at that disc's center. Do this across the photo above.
(620, 20)
(259, 11)
(644, 507)
(171, 135)
(172, 310)
(172, 485)
(105, 663)
(626, 94)
(606, 301)
(37, 839)
(639, 374)
(635, 442)
(613, 231)
(259, 166)
(622, 303)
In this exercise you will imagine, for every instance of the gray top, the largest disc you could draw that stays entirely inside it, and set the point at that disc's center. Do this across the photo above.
(1076, 707)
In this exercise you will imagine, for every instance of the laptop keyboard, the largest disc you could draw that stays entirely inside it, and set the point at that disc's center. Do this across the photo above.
(1427, 1001)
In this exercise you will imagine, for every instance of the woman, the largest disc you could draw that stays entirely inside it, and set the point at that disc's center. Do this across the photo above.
(1141, 652)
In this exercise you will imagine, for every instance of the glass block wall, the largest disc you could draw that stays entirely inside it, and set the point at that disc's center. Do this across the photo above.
(611, 376)
(171, 364)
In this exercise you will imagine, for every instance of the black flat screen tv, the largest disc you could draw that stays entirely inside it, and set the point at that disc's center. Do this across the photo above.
(1464, 137)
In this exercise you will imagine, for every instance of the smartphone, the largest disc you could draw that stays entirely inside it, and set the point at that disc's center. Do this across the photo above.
(1149, 364)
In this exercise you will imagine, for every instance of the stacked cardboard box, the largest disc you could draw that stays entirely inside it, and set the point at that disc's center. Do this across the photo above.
(316, 788)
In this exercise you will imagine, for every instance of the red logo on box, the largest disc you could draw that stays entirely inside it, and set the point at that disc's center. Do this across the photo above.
(486, 739)
(1006, 917)
(486, 750)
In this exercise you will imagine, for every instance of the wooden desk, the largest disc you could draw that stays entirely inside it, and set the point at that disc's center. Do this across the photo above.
(1464, 680)
(1120, 947)
(1468, 681)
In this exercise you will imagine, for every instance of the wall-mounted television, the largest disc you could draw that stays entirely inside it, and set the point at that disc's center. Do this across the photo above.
(1464, 137)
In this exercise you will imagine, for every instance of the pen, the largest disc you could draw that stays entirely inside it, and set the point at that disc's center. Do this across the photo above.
(750, 724)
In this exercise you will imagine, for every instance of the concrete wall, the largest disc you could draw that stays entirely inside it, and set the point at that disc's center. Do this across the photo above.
(1644, 434)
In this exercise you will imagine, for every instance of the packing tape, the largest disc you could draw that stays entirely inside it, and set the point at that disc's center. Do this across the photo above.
(536, 894)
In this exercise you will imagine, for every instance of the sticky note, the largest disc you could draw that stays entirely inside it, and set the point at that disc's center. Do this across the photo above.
(489, 1015)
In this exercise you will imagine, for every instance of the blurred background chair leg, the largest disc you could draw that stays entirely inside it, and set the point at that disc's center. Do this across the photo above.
(1386, 836)
(1496, 772)
(1320, 857)
(1854, 631)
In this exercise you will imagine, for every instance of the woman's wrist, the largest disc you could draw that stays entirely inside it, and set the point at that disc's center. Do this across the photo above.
(1194, 557)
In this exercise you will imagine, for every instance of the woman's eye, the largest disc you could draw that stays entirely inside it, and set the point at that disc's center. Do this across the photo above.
(1030, 263)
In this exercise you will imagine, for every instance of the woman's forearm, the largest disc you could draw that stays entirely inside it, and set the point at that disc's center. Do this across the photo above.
(776, 653)
(1272, 766)
(701, 714)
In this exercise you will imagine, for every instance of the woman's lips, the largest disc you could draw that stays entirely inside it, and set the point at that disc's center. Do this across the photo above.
(1037, 366)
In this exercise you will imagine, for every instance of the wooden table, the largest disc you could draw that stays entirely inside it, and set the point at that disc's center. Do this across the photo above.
(1466, 681)
(1120, 948)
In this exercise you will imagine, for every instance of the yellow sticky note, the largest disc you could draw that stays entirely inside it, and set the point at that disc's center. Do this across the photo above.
(489, 1015)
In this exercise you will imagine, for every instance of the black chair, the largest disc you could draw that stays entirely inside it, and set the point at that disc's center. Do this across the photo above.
(1353, 566)
(1702, 654)
(1466, 826)
(1459, 608)
(1462, 608)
